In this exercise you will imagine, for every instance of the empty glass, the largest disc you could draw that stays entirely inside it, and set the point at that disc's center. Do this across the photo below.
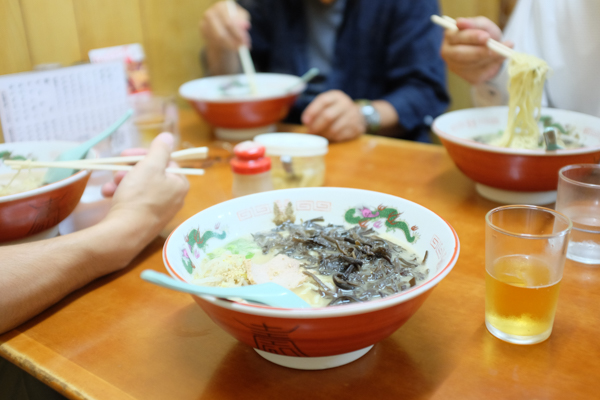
(578, 197)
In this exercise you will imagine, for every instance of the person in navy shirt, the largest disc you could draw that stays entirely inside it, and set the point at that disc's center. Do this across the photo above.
(379, 62)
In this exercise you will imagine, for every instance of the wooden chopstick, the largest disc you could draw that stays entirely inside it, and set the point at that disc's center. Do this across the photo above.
(244, 53)
(84, 165)
(196, 153)
(449, 23)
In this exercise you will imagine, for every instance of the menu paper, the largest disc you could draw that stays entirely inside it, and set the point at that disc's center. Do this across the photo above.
(72, 104)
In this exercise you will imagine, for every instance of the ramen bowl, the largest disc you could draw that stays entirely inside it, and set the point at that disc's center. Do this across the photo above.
(514, 176)
(315, 338)
(35, 214)
(227, 103)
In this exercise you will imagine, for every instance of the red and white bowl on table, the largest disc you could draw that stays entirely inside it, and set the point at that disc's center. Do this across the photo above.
(315, 338)
(514, 176)
(226, 103)
(35, 214)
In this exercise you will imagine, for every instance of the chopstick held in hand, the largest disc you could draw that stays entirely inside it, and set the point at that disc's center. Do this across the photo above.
(450, 24)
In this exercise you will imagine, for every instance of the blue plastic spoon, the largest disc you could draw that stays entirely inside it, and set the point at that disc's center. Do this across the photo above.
(270, 294)
(79, 152)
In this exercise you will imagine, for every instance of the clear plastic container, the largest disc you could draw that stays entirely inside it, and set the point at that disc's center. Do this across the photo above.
(298, 160)
(251, 169)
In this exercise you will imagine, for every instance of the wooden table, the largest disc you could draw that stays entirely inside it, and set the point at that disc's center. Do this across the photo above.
(122, 338)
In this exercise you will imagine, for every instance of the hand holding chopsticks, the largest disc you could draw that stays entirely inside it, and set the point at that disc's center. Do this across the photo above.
(110, 164)
(497, 47)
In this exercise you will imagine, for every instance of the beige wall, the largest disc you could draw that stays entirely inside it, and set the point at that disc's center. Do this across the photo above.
(34, 32)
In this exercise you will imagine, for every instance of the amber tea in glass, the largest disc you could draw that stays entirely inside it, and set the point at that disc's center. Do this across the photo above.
(525, 255)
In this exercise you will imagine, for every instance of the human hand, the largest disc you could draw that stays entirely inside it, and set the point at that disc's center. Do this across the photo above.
(335, 116)
(223, 31)
(466, 53)
(146, 196)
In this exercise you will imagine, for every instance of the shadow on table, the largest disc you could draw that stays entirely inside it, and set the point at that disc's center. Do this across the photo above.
(384, 372)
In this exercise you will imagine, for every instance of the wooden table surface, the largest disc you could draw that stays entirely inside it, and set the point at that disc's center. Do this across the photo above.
(122, 338)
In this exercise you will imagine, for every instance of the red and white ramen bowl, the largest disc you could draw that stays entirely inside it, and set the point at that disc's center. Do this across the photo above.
(35, 214)
(315, 338)
(514, 176)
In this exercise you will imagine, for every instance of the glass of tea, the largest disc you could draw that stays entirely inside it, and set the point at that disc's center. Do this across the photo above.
(525, 251)
(578, 197)
(154, 115)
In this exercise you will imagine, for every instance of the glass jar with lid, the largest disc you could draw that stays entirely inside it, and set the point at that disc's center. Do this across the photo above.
(297, 159)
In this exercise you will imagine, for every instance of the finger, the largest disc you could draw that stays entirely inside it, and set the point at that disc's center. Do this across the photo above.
(509, 43)
(476, 55)
(316, 106)
(134, 152)
(159, 154)
(119, 177)
(326, 118)
(480, 23)
(217, 31)
(237, 24)
(473, 37)
(109, 189)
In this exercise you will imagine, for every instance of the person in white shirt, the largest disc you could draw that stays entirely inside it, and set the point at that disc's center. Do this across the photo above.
(565, 33)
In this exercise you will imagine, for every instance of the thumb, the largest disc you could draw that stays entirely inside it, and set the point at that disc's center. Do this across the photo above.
(160, 151)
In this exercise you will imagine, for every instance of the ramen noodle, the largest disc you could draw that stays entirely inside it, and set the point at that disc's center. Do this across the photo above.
(22, 181)
(526, 85)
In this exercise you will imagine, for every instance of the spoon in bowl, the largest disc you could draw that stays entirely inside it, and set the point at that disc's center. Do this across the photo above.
(80, 151)
(307, 77)
(270, 294)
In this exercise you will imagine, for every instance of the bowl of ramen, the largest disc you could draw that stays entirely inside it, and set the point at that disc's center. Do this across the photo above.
(227, 103)
(30, 210)
(364, 261)
(514, 175)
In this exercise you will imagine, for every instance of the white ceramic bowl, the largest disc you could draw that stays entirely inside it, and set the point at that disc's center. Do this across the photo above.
(315, 338)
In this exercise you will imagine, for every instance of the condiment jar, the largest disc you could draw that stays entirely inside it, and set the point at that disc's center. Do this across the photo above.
(298, 159)
(251, 169)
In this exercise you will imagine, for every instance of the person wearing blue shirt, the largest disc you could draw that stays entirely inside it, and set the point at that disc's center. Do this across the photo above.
(379, 62)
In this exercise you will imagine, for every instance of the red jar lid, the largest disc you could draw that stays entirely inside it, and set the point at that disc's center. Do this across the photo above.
(250, 159)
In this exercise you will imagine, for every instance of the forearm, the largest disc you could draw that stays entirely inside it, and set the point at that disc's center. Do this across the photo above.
(387, 114)
(37, 275)
(221, 61)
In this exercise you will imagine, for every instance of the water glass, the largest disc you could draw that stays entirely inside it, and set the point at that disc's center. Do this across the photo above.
(525, 249)
(154, 115)
(578, 197)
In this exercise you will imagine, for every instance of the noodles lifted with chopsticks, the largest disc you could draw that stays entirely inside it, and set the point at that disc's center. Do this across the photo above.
(526, 85)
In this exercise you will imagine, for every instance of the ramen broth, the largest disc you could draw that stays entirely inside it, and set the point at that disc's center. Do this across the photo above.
(336, 265)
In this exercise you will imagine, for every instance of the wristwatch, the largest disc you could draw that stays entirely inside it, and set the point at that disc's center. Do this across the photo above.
(372, 118)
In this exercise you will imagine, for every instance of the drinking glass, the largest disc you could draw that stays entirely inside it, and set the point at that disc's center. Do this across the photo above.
(578, 198)
(525, 249)
(154, 115)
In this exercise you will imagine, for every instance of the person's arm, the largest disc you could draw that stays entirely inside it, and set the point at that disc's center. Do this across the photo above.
(415, 71)
(36, 275)
(335, 116)
(223, 35)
